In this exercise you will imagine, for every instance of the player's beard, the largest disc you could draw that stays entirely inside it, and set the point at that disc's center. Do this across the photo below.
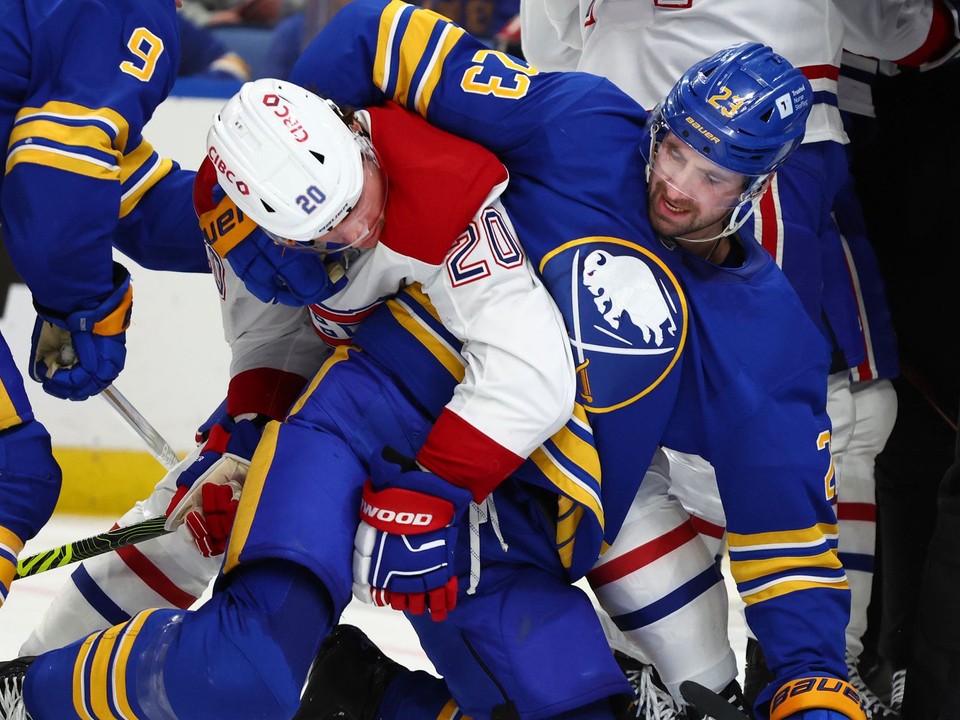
(681, 217)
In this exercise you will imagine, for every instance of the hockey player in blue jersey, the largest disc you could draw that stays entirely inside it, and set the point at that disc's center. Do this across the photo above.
(78, 81)
(399, 54)
(752, 374)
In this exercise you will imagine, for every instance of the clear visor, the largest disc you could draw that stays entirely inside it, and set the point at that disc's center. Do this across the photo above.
(362, 225)
(686, 171)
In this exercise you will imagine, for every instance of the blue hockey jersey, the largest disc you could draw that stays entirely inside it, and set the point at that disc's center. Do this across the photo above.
(718, 361)
(78, 81)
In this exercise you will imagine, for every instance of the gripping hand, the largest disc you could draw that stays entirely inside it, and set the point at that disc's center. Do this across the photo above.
(78, 355)
(273, 273)
(403, 549)
(817, 698)
(208, 490)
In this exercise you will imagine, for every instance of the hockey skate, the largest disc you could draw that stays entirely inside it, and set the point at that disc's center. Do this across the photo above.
(347, 678)
(12, 673)
(898, 683)
(653, 701)
(873, 706)
(733, 695)
(756, 673)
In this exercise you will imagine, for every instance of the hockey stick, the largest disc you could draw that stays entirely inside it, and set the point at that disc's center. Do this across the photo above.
(159, 447)
(79, 550)
(946, 412)
(708, 702)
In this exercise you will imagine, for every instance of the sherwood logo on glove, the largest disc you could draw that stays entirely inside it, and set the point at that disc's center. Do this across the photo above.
(390, 516)
(404, 512)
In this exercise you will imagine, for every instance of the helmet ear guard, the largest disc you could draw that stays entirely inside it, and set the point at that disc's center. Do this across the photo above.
(287, 159)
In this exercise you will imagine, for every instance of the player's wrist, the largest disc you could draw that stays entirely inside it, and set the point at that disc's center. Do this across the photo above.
(109, 316)
(813, 693)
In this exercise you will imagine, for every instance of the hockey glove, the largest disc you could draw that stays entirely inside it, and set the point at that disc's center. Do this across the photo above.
(817, 698)
(208, 491)
(403, 549)
(273, 273)
(78, 355)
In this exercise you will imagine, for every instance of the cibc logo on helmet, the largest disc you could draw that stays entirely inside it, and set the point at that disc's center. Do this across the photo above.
(282, 111)
(225, 172)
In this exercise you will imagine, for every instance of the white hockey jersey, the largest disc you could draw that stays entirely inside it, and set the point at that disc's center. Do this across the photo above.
(645, 45)
(448, 240)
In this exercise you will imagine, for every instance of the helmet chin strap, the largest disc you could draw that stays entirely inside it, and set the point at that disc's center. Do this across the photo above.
(739, 215)
(734, 222)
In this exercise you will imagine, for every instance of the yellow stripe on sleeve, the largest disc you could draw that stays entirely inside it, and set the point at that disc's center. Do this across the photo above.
(788, 538)
(133, 196)
(388, 21)
(94, 137)
(746, 570)
(414, 46)
(450, 711)
(57, 159)
(80, 114)
(432, 75)
(567, 528)
(556, 475)
(788, 586)
(444, 354)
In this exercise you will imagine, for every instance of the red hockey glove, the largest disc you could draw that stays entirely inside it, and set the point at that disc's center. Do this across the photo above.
(208, 490)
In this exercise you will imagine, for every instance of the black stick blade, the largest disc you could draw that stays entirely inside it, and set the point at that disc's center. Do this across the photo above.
(708, 702)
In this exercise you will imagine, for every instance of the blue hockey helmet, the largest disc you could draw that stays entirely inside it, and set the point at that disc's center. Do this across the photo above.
(744, 108)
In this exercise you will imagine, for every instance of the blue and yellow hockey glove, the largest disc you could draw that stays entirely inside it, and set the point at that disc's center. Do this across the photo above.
(404, 545)
(77, 355)
(274, 273)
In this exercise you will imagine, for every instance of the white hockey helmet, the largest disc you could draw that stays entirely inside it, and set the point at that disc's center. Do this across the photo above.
(291, 164)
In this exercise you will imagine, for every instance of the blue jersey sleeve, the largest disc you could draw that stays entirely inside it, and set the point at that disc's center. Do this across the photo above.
(374, 50)
(76, 161)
